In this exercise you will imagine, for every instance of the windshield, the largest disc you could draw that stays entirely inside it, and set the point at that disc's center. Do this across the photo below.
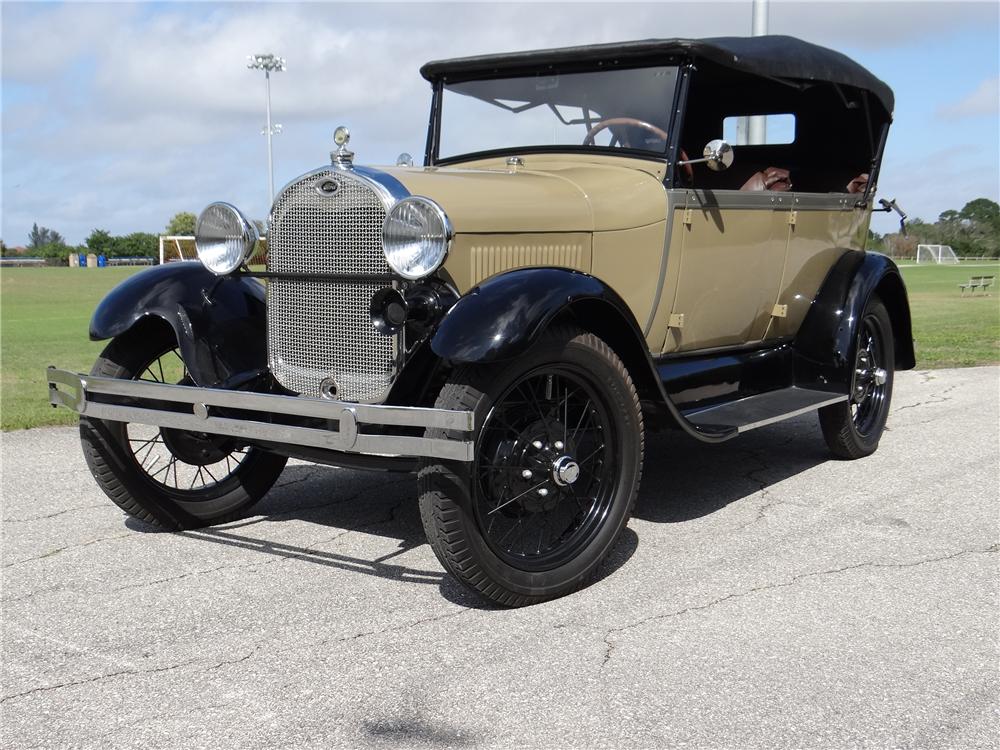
(608, 108)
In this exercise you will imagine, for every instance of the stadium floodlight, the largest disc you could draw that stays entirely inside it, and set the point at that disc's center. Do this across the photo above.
(269, 64)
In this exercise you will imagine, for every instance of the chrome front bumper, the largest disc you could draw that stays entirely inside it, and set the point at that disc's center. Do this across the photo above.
(184, 407)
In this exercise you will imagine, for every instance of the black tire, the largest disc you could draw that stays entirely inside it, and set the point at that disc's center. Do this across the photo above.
(461, 502)
(124, 471)
(852, 429)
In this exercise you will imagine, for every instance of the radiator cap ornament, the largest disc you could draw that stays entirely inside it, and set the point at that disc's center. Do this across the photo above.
(342, 157)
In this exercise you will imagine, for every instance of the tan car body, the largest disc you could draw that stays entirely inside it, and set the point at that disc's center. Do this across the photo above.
(698, 269)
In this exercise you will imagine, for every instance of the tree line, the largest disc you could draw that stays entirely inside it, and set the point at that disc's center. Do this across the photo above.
(49, 244)
(972, 232)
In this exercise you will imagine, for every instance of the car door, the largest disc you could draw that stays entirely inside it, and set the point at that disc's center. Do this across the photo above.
(731, 254)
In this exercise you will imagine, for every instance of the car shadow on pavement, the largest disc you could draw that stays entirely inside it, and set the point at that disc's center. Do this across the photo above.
(685, 479)
(349, 502)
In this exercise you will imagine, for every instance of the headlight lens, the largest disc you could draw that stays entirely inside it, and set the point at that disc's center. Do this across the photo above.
(224, 238)
(416, 236)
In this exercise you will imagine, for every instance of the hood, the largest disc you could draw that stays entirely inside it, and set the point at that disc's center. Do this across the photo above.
(552, 197)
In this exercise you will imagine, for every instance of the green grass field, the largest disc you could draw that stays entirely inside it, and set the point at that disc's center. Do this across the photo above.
(951, 329)
(45, 312)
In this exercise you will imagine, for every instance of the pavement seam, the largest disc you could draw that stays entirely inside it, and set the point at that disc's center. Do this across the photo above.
(57, 513)
(98, 678)
(610, 645)
(56, 551)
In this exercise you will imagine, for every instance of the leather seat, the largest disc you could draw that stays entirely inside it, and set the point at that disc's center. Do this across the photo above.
(858, 184)
(772, 178)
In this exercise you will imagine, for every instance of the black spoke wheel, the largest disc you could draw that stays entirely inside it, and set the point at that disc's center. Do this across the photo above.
(558, 460)
(546, 468)
(854, 428)
(167, 477)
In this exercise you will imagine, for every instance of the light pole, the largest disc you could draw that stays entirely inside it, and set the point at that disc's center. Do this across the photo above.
(268, 63)
(753, 129)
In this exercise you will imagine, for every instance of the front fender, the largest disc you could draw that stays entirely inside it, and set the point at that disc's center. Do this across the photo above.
(503, 316)
(220, 321)
(826, 341)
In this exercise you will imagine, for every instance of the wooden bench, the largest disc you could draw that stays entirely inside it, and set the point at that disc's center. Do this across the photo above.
(977, 282)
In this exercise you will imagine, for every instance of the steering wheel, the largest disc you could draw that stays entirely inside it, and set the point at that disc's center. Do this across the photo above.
(658, 132)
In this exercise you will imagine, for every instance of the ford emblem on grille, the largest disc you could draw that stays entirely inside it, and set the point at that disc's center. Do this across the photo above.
(327, 187)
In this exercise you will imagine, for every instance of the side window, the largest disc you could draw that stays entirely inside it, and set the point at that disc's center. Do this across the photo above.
(758, 129)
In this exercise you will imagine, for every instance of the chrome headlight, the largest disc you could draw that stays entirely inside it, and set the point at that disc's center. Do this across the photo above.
(224, 238)
(416, 236)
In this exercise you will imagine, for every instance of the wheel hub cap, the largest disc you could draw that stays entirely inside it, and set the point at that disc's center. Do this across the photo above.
(565, 471)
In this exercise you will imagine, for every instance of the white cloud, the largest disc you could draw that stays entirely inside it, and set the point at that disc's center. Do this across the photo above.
(985, 100)
(143, 110)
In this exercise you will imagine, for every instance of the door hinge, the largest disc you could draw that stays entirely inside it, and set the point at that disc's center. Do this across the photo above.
(792, 215)
(676, 320)
(779, 311)
(688, 217)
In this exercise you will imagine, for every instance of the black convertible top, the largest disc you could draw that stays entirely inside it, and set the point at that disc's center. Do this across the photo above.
(782, 57)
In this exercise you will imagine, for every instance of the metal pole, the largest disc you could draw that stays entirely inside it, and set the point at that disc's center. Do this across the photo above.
(270, 157)
(757, 125)
(268, 63)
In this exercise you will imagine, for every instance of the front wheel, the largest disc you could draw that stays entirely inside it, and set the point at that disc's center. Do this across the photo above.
(166, 477)
(559, 447)
(853, 429)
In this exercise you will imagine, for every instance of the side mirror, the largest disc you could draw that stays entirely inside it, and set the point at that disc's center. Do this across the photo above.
(718, 155)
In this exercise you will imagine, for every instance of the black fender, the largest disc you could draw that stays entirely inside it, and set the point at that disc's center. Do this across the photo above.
(825, 343)
(220, 321)
(503, 316)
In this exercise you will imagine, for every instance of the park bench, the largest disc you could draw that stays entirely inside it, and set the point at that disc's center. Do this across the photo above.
(977, 282)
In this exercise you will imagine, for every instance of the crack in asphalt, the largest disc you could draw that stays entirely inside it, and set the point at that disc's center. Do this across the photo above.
(763, 486)
(935, 398)
(237, 660)
(57, 513)
(98, 678)
(608, 636)
(56, 551)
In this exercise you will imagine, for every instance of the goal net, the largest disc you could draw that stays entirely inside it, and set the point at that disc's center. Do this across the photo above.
(174, 248)
(936, 254)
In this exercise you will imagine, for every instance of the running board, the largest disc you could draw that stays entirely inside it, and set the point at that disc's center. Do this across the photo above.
(762, 409)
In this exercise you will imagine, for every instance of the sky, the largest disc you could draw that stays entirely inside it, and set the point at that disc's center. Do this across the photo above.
(117, 116)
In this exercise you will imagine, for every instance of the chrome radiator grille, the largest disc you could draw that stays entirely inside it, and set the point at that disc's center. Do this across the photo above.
(321, 330)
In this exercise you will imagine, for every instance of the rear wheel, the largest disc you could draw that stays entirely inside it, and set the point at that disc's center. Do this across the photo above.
(556, 472)
(852, 429)
(167, 477)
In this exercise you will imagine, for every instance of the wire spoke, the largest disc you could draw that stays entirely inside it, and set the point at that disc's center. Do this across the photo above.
(518, 497)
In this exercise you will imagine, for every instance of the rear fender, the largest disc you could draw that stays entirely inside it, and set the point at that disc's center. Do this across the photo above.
(220, 321)
(826, 341)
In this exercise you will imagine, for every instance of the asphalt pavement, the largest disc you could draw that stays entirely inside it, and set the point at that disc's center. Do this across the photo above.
(764, 595)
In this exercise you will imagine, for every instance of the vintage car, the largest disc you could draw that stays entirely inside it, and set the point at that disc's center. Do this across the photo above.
(571, 266)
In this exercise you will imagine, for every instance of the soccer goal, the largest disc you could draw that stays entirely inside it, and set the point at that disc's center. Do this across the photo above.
(174, 248)
(936, 254)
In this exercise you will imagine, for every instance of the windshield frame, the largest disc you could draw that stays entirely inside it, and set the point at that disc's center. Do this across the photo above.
(432, 156)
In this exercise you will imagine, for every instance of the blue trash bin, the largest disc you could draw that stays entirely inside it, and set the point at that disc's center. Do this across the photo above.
(102, 261)
(83, 260)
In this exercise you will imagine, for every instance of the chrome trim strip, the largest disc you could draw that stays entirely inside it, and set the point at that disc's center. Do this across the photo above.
(345, 437)
(788, 415)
